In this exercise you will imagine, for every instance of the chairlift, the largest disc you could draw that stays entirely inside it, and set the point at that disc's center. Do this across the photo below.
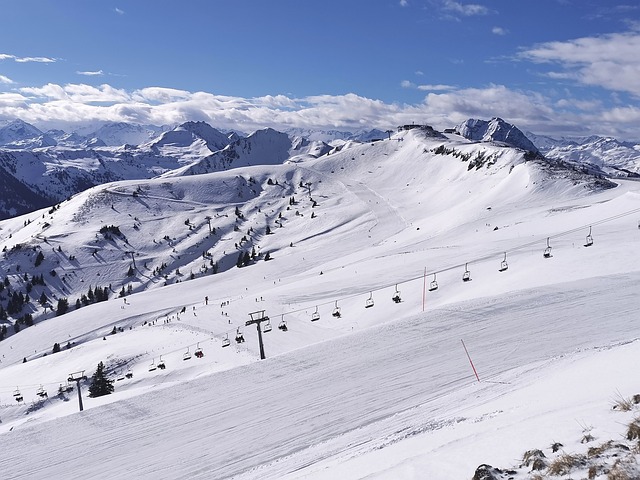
(466, 276)
(18, 395)
(396, 296)
(547, 251)
(41, 392)
(503, 265)
(239, 336)
(315, 315)
(119, 378)
(161, 364)
(369, 302)
(589, 240)
(267, 326)
(186, 355)
(199, 353)
(283, 325)
(153, 366)
(433, 286)
(336, 311)
(129, 374)
(225, 341)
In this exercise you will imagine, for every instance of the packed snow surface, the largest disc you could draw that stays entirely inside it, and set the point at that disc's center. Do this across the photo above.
(378, 392)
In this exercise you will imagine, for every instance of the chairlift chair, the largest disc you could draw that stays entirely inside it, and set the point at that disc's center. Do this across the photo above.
(161, 364)
(153, 367)
(315, 316)
(336, 311)
(128, 375)
(186, 355)
(17, 395)
(267, 326)
(119, 378)
(589, 240)
(547, 251)
(283, 325)
(369, 302)
(225, 341)
(466, 276)
(239, 336)
(198, 353)
(433, 285)
(396, 296)
(503, 265)
(41, 392)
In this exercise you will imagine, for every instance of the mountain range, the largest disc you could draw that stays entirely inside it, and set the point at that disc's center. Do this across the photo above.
(43, 168)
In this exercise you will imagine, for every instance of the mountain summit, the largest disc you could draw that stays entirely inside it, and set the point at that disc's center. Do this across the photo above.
(495, 130)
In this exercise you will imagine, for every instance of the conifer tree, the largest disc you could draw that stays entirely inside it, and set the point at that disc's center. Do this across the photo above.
(100, 384)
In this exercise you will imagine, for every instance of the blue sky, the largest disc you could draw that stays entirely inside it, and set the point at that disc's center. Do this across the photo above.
(561, 67)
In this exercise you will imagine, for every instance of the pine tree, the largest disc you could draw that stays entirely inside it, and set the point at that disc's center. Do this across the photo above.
(63, 306)
(100, 384)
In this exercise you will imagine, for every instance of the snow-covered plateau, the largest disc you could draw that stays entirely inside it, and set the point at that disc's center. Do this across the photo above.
(527, 343)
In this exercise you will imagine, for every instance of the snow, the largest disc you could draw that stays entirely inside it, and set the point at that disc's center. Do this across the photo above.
(381, 392)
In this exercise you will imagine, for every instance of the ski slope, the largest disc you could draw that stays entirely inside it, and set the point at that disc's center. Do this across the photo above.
(381, 392)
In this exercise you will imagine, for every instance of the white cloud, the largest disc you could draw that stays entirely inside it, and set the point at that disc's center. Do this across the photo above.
(609, 61)
(427, 87)
(10, 100)
(5, 80)
(34, 59)
(57, 106)
(8, 56)
(436, 87)
(118, 11)
(419, 73)
(404, 3)
(97, 73)
(499, 31)
(468, 9)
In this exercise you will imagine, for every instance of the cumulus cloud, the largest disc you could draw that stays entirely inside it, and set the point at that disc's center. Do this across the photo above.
(499, 31)
(404, 3)
(97, 73)
(608, 61)
(58, 106)
(118, 11)
(5, 80)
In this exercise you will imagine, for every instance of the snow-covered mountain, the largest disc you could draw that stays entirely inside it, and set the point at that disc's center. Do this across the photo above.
(18, 131)
(121, 133)
(58, 172)
(263, 147)
(495, 130)
(612, 156)
(365, 373)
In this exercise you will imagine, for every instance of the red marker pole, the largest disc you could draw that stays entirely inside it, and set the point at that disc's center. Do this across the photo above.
(467, 352)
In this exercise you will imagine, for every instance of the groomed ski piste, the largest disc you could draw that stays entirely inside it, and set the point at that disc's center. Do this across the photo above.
(386, 391)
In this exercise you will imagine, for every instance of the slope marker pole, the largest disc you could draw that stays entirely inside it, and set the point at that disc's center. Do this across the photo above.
(469, 357)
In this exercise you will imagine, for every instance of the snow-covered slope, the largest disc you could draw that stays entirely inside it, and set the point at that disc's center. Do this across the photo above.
(384, 391)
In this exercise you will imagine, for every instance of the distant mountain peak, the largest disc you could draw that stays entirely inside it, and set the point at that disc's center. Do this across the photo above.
(495, 130)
